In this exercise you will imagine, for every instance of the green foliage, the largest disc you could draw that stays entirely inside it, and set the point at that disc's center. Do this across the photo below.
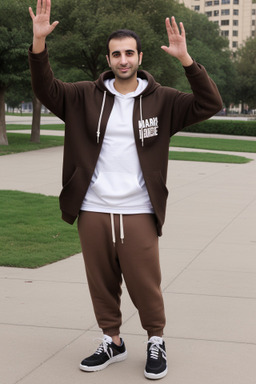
(77, 45)
(15, 35)
(83, 44)
(18, 92)
(246, 69)
(32, 233)
(213, 144)
(79, 42)
(225, 127)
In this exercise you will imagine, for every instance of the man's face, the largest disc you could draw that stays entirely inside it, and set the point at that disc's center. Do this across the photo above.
(123, 58)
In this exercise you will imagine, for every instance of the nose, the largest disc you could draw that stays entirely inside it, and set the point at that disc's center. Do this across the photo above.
(123, 59)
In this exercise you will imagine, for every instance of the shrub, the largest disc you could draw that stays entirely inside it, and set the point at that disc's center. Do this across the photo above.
(225, 127)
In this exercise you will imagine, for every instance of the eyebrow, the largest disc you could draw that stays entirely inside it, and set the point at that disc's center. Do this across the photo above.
(126, 51)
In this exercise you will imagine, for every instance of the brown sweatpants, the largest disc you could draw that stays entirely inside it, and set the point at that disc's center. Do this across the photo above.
(136, 259)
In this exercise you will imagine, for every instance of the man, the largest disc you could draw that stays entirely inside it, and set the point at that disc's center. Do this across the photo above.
(114, 174)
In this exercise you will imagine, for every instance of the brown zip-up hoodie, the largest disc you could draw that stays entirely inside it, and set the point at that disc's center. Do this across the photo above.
(159, 112)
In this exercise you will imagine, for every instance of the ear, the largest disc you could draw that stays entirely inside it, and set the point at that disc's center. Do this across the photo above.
(140, 58)
(108, 61)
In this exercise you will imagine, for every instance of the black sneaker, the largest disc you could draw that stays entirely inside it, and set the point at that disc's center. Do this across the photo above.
(156, 365)
(107, 353)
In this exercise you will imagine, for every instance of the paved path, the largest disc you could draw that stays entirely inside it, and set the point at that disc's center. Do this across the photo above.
(27, 120)
(208, 258)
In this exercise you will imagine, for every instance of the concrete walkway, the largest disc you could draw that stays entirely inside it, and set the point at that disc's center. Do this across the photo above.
(27, 120)
(208, 258)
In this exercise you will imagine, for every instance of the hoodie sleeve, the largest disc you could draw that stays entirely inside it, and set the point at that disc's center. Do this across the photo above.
(203, 103)
(51, 92)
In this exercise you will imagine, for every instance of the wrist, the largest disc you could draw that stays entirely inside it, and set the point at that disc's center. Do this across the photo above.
(186, 60)
(38, 44)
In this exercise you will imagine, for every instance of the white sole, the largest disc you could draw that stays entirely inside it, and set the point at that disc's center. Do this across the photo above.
(153, 376)
(115, 359)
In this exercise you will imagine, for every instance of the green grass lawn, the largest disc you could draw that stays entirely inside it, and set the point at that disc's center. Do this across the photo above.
(208, 157)
(32, 232)
(19, 142)
(52, 127)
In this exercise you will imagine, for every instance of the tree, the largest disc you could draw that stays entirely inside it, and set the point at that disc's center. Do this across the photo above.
(35, 129)
(79, 41)
(13, 98)
(246, 70)
(14, 40)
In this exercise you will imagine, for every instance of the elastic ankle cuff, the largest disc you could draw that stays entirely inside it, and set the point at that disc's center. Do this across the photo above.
(156, 333)
(111, 331)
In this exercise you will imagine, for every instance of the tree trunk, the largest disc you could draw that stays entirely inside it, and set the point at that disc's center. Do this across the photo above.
(3, 136)
(35, 130)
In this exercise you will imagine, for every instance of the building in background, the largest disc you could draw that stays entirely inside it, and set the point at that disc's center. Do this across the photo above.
(236, 18)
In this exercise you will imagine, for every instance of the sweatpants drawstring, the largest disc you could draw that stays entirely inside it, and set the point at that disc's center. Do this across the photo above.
(113, 228)
(121, 229)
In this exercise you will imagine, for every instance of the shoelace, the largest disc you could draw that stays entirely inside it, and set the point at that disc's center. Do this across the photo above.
(103, 347)
(154, 350)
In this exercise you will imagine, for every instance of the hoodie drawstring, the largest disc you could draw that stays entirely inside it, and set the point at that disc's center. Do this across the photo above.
(113, 228)
(100, 118)
(141, 118)
(101, 114)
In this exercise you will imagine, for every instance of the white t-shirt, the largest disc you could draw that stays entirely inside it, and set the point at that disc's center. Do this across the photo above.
(117, 185)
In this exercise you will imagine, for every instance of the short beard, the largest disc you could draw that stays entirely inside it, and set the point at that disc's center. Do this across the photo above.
(131, 75)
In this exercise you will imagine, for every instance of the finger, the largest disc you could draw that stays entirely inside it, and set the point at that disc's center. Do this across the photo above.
(168, 25)
(164, 48)
(174, 25)
(38, 7)
(168, 29)
(182, 29)
(54, 25)
(44, 6)
(48, 7)
(32, 15)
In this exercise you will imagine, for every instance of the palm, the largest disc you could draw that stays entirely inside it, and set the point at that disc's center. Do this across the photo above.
(41, 26)
(41, 21)
(177, 41)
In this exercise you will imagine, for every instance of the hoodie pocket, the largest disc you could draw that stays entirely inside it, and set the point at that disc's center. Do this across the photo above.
(114, 188)
(73, 192)
(158, 193)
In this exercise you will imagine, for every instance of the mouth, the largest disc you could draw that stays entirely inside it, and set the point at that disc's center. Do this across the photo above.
(123, 70)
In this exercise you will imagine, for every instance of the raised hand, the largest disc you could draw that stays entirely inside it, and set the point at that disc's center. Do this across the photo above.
(177, 42)
(41, 23)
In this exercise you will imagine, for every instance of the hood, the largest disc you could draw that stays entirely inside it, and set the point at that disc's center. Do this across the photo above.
(152, 84)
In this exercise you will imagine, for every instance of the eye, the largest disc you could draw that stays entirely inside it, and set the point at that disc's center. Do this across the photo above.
(116, 54)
